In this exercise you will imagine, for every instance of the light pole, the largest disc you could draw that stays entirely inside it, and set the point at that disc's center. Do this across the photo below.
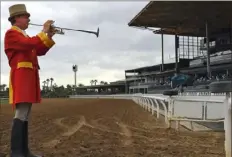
(75, 69)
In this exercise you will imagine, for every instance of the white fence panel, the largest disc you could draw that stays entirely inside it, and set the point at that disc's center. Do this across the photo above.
(186, 109)
(215, 111)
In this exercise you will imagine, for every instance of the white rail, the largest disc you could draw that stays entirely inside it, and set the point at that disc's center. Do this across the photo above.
(188, 109)
(185, 110)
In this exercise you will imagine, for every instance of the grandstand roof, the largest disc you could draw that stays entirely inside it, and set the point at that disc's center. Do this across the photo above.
(150, 68)
(146, 68)
(118, 82)
(157, 67)
(184, 17)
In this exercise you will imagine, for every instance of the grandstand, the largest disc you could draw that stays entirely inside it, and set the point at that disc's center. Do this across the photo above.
(202, 51)
(151, 79)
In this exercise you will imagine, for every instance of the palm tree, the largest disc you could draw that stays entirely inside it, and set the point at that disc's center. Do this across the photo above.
(48, 83)
(102, 82)
(44, 84)
(3, 87)
(51, 79)
(91, 82)
(95, 81)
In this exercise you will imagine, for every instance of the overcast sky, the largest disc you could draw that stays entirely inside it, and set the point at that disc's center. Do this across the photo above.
(119, 47)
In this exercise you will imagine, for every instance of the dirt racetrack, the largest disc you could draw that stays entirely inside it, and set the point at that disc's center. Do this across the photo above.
(106, 128)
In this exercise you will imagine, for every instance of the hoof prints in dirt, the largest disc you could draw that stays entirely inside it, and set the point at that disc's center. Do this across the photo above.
(70, 131)
(127, 140)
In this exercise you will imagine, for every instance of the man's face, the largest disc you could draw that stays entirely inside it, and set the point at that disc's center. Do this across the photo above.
(22, 21)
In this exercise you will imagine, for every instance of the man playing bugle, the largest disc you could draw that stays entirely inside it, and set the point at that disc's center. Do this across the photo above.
(22, 52)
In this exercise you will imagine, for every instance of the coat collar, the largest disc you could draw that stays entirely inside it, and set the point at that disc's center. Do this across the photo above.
(19, 30)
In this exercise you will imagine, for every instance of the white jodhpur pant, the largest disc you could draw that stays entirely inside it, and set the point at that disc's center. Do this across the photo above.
(23, 111)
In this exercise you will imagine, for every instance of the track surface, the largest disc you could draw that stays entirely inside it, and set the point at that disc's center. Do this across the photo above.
(106, 128)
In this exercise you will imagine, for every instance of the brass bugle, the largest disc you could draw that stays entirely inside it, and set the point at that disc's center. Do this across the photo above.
(59, 30)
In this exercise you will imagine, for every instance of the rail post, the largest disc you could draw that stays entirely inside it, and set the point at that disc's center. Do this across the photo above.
(225, 87)
(170, 93)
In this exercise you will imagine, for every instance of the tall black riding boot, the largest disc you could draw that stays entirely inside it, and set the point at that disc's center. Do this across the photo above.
(26, 148)
(17, 139)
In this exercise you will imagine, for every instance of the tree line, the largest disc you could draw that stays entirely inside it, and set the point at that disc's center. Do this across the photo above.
(51, 89)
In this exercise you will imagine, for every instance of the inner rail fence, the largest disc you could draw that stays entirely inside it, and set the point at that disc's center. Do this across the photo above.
(197, 111)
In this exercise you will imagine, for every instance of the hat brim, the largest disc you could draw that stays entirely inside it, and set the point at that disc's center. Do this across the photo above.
(19, 13)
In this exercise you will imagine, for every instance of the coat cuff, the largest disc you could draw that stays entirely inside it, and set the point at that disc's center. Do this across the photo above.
(46, 40)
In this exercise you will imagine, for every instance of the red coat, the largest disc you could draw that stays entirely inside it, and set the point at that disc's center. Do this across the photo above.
(22, 52)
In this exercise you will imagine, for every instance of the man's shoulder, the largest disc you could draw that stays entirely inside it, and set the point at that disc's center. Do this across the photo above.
(10, 31)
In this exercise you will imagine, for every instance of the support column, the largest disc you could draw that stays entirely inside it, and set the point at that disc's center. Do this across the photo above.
(134, 83)
(230, 27)
(207, 47)
(229, 115)
(176, 53)
(75, 78)
(227, 124)
(125, 84)
(188, 47)
(162, 50)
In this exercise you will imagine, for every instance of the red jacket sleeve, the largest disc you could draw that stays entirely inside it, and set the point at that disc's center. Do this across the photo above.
(41, 49)
(16, 40)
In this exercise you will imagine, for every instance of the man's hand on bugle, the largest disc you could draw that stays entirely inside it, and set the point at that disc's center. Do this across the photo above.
(51, 32)
(48, 28)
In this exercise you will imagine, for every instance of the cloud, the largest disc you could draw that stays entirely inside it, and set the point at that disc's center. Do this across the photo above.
(119, 47)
